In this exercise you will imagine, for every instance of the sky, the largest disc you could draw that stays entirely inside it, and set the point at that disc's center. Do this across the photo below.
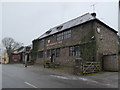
(26, 21)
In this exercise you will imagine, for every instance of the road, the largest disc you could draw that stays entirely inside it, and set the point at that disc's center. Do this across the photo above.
(17, 76)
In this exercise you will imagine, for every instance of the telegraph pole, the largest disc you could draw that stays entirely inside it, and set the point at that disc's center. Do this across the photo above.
(119, 19)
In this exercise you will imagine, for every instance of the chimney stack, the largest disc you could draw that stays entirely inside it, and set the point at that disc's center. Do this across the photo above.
(93, 14)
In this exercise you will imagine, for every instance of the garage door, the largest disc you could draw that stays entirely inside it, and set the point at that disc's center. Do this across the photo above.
(110, 63)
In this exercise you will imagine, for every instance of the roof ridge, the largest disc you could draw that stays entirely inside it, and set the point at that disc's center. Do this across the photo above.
(70, 20)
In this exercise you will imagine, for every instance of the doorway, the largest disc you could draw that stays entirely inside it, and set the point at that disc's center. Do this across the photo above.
(53, 55)
(110, 63)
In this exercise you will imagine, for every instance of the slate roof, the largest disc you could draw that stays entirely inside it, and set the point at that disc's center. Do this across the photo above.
(74, 22)
(31, 46)
(22, 49)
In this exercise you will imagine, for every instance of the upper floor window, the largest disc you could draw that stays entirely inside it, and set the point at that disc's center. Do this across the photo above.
(40, 54)
(67, 34)
(41, 43)
(63, 35)
(59, 37)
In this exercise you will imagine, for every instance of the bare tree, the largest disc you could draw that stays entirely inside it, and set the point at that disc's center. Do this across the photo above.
(10, 45)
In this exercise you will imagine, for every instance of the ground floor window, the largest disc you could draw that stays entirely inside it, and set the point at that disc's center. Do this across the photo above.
(40, 54)
(48, 53)
(56, 52)
(74, 50)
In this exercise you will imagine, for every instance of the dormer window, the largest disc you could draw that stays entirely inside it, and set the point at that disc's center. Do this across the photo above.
(48, 32)
(81, 20)
(59, 27)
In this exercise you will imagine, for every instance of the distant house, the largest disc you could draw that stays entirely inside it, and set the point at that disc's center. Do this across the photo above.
(4, 58)
(28, 53)
(85, 36)
(19, 54)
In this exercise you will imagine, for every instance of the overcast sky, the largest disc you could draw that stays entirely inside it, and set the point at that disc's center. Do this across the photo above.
(25, 21)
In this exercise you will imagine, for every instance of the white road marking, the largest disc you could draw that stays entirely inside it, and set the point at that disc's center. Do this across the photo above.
(30, 85)
(84, 79)
(80, 78)
(59, 77)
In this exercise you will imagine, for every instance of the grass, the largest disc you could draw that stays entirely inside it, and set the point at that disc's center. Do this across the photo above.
(37, 63)
(66, 69)
(92, 74)
(63, 69)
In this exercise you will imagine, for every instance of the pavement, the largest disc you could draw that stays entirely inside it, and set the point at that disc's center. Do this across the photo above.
(36, 76)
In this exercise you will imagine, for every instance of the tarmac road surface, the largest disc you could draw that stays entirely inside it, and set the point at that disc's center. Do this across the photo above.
(17, 76)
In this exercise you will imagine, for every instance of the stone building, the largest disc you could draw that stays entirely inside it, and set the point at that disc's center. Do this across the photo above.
(4, 58)
(85, 36)
(23, 51)
(119, 53)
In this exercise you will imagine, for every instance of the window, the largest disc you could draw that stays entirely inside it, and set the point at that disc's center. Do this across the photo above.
(48, 32)
(59, 37)
(63, 35)
(40, 54)
(74, 50)
(58, 52)
(48, 53)
(59, 27)
(71, 51)
(41, 43)
(77, 50)
(69, 34)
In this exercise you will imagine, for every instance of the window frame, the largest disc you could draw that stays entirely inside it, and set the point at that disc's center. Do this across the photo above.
(63, 35)
(57, 52)
(40, 54)
(41, 43)
(48, 53)
(74, 50)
